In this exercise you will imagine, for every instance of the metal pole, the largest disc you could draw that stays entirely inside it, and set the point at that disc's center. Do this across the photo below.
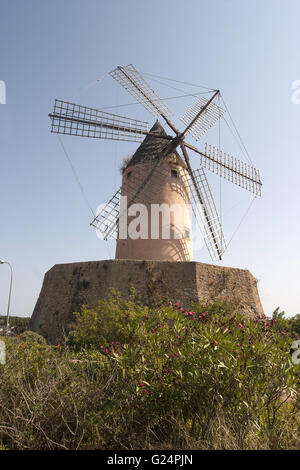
(10, 289)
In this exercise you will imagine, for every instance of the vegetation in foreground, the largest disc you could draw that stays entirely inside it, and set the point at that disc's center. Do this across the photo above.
(131, 377)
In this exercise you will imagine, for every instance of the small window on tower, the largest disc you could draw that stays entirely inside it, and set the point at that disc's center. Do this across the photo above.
(187, 233)
(129, 174)
(174, 173)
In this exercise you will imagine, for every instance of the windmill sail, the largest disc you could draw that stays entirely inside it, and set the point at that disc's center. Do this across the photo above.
(107, 219)
(206, 214)
(205, 121)
(229, 168)
(137, 86)
(73, 119)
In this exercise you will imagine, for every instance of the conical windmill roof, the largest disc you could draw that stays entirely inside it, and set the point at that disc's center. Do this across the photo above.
(151, 147)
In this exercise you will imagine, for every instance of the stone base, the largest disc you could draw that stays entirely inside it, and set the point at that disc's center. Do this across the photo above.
(67, 286)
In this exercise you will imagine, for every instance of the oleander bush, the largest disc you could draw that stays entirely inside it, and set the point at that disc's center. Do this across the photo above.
(166, 377)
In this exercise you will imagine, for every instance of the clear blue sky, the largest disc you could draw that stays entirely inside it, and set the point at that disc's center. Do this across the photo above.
(54, 49)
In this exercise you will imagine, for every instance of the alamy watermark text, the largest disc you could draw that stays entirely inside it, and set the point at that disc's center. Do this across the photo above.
(2, 92)
(296, 93)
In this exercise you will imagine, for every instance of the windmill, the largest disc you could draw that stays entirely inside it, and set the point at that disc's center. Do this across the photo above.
(72, 119)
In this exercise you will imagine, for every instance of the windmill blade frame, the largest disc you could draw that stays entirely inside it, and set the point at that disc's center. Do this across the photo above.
(199, 123)
(73, 119)
(130, 79)
(206, 215)
(106, 221)
(209, 223)
(230, 168)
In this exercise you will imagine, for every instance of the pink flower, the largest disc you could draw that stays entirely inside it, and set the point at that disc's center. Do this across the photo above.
(144, 391)
(152, 331)
(180, 309)
(283, 333)
(240, 325)
(177, 304)
(170, 303)
(171, 355)
(188, 314)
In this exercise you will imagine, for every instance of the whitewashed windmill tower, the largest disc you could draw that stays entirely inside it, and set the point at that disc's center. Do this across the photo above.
(164, 221)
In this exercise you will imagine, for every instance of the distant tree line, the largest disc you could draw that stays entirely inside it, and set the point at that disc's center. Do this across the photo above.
(20, 324)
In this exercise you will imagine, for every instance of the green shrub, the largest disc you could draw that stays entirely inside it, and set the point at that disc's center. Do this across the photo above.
(173, 362)
(32, 337)
(163, 377)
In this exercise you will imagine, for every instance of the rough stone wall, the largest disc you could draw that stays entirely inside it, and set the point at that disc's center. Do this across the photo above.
(67, 287)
